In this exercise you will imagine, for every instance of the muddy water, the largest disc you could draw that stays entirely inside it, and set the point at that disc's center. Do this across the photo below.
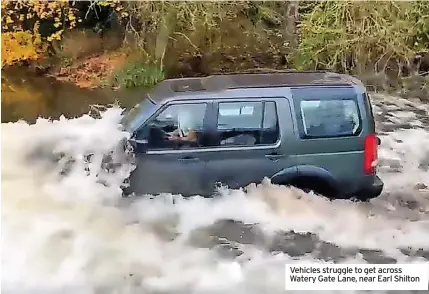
(74, 233)
(28, 96)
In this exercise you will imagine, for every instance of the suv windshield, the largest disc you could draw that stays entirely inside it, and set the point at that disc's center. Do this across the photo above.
(132, 118)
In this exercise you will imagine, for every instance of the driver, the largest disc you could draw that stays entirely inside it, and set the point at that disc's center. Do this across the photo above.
(186, 128)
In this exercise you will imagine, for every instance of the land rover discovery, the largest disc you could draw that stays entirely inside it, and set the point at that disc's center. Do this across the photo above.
(313, 130)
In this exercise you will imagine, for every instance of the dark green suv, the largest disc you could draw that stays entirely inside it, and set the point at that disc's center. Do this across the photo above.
(313, 130)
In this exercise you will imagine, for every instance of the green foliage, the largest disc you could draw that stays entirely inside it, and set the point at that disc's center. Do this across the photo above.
(197, 28)
(137, 74)
(361, 36)
(345, 36)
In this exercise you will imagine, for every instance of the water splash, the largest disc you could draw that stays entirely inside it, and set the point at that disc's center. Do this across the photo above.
(67, 229)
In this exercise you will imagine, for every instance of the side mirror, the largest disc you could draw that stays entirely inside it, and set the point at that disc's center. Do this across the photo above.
(139, 145)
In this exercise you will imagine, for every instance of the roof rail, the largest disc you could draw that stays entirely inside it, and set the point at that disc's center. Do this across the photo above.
(249, 79)
(209, 83)
(263, 70)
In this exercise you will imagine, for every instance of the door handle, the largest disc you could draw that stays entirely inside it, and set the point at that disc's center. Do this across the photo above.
(188, 159)
(274, 156)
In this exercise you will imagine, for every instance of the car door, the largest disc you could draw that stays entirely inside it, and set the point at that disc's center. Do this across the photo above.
(164, 166)
(240, 162)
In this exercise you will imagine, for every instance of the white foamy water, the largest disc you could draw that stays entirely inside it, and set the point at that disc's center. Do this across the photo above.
(72, 233)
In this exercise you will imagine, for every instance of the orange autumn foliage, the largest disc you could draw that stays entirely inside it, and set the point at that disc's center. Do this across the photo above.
(20, 46)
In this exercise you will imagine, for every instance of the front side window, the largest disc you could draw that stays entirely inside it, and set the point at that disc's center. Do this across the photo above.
(247, 123)
(179, 126)
(330, 118)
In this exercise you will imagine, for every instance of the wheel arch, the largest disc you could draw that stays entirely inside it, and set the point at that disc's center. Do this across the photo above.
(308, 177)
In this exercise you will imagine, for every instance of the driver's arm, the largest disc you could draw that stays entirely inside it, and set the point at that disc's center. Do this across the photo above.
(174, 133)
(190, 137)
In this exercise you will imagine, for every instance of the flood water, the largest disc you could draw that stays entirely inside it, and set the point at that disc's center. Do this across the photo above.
(28, 96)
(74, 233)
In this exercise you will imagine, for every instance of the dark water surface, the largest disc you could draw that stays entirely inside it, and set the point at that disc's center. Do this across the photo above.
(28, 96)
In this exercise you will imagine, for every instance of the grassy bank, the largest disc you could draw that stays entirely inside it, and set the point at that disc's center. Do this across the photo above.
(137, 44)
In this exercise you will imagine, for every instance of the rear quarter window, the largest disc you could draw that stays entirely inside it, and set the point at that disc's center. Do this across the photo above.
(329, 118)
(368, 105)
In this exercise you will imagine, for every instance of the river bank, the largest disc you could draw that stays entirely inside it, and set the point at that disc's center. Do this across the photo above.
(129, 44)
(27, 95)
(118, 66)
(72, 89)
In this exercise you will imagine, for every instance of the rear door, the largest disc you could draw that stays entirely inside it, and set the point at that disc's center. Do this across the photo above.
(332, 130)
(249, 135)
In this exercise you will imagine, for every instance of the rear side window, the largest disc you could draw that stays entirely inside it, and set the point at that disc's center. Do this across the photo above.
(240, 115)
(330, 118)
(247, 123)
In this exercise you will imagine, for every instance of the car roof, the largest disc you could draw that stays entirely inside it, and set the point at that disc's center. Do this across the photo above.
(192, 87)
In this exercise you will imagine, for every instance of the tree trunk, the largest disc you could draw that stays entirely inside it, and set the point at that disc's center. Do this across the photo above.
(290, 22)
